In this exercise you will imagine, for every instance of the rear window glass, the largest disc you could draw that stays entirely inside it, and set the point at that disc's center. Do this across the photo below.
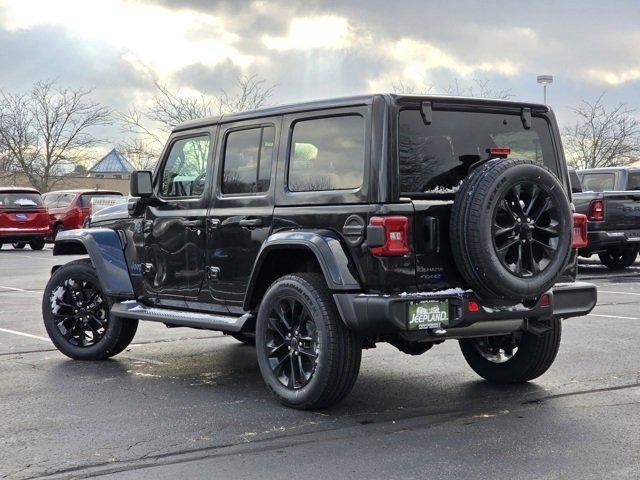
(50, 199)
(435, 158)
(65, 200)
(598, 182)
(327, 154)
(20, 200)
(85, 199)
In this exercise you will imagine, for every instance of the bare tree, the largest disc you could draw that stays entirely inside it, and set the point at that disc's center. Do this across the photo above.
(478, 87)
(47, 131)
(143, 155)
(603, 137)
(406, 89)
(169, 108)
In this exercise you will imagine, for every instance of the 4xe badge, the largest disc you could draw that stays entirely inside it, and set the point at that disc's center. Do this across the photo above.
(428, 314)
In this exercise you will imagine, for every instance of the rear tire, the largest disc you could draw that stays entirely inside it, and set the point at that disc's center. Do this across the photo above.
(299, 330)
(18, 245)
(534, 355)
(37, 244)
(92, 334)
(618, 258)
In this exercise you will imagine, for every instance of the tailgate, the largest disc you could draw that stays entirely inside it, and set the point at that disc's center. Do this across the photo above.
(23, 219)
(621, 211)
(435, 267)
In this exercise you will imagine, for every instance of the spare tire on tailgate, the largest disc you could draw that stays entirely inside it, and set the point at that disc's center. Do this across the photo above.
(511, 228)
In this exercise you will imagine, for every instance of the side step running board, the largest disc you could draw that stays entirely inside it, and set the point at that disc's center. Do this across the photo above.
(136, 310)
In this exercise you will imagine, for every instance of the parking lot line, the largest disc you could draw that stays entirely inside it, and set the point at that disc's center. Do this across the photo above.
(620, 293)
(613, 316)
(13, 289)
(22, 334)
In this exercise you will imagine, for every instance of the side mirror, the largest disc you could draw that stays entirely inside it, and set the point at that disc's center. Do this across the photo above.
(140, 184)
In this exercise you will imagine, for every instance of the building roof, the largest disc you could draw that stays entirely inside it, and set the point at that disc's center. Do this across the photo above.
(350, 102)
(112, 162)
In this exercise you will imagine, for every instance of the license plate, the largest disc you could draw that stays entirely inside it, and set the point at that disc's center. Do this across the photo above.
(21, 216)
(428, 314)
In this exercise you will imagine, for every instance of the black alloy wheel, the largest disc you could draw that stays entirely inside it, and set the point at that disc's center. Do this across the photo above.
(80, 312)
(292, 343)
(526, 229)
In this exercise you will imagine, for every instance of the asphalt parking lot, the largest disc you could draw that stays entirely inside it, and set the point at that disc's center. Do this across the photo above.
(183, 403)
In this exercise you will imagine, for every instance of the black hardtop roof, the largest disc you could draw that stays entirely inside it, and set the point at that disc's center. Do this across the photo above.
(18, 190)
(353, 101)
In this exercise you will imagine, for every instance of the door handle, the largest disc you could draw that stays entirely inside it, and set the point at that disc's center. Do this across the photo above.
(199, 223)
(250, 222)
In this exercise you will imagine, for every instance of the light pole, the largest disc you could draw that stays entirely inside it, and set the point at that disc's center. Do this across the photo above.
(545, 80)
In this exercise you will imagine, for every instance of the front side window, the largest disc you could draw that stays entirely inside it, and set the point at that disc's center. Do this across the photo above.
(65, 200)
(436, 157)
(327, 154)
(247, 160)
(598, 182)
(185, 171)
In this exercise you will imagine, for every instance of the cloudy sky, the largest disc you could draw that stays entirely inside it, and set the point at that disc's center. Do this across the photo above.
(314, 49)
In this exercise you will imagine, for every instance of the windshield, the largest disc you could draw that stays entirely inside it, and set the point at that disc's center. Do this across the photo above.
(435, 158)
(20, 200)
(87, 199)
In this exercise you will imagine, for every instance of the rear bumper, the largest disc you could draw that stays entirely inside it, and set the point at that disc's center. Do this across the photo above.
(372, 315)
(13, 235)
(600, 240)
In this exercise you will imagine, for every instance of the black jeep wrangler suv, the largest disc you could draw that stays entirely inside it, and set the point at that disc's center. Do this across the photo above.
(318, 229)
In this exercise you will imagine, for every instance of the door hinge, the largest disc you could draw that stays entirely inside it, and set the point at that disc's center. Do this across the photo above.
(213, 273)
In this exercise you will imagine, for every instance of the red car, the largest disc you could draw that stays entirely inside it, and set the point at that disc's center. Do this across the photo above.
(68, 209)
(23, 218)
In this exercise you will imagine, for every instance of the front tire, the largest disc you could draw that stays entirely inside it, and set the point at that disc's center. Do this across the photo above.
(76, 314)
(307, 356)
(37, 244)
(618, 258)
(506, 359)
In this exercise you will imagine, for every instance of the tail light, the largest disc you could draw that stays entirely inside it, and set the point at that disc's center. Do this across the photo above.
(394, 238)
(79, 216)
(499, 152)
(579, 238)
(596, 211)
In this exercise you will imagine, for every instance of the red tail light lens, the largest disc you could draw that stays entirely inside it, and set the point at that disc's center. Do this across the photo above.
(473, 306)
(579, 239)
(396, 236)
(596, 211)
(499, 152)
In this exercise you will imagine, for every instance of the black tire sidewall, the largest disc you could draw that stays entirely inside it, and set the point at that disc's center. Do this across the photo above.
(489, 276)
(37, 244)
(627, 259)
(105, 347)
(302, 291)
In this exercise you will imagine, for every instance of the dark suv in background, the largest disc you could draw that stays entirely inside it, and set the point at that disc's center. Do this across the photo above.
(318, 229)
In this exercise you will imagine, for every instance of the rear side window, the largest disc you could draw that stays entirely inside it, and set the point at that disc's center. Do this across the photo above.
(634, 181)
(247, 160)
(327, 154)
(598, 182)
(435, 158)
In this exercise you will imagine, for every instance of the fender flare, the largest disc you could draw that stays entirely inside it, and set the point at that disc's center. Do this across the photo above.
(326, 246)
(105, 249)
